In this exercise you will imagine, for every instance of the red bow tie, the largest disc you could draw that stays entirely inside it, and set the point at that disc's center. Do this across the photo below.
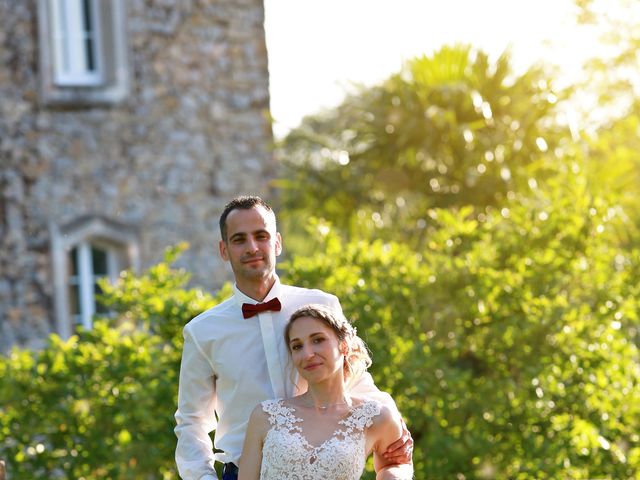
(249, 309)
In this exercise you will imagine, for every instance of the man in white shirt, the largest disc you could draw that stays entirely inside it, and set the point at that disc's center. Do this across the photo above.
(234, 354)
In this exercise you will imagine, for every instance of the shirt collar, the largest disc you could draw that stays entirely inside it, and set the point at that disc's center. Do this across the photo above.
(241, 298)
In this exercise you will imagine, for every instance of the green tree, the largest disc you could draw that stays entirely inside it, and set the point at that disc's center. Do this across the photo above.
(95, 406)
(613, 166)
(508, 340)
(450, 129)
(100, 405)
(607, 99)
(612, 76)
(157, 300)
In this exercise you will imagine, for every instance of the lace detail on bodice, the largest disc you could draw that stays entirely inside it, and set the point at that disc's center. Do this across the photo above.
(287, 455)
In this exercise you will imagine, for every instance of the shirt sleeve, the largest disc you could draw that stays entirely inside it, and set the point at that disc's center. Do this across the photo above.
(195, 417)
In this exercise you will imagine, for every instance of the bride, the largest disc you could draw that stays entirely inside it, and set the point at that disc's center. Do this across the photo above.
(324, 433)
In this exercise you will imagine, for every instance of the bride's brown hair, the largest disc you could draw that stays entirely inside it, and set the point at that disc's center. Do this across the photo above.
(356, 357)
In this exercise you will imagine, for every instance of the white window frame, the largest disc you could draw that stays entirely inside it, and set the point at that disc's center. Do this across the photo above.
(109, 84)
(70, 49)
(85, 278)
(119, 239)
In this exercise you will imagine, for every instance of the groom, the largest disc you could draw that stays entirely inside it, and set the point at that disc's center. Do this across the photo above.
(234, 355)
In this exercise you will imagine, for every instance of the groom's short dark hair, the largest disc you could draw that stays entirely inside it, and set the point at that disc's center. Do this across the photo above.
(244, 202)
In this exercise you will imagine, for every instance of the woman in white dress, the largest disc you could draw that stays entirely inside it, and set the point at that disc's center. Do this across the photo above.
(324, 433)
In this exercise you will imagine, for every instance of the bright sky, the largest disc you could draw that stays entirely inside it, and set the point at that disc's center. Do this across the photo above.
(319, 48)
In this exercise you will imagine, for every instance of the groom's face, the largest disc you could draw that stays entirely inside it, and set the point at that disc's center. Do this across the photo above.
(252, 243)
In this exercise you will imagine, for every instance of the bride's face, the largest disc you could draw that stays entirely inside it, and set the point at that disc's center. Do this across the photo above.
(315, 349)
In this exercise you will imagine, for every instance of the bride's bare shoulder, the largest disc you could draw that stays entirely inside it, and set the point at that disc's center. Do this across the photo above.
(388, 417)
(260, 415)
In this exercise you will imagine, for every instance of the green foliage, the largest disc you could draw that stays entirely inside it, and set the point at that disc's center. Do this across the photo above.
(493, 265)
(507, 341)
(493, 269)
(613, 166)
(607, 102)
(156, 300)
(100, 405)
(611, 76)
(449, 130)
(95, 406)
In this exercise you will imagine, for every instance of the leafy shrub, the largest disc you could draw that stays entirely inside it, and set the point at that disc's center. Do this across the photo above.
(95, 406)
(100, 405)
(508, 343)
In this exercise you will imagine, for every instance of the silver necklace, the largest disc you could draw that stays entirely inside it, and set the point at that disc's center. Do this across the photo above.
(325, 407)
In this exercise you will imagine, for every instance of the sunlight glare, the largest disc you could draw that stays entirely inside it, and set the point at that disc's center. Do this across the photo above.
(312, 69)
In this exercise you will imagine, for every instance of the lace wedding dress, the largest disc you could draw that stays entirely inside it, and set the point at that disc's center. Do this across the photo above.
(287, 455)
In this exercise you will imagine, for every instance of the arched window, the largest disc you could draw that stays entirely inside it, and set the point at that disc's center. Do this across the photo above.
(83, 252)
(88, 262)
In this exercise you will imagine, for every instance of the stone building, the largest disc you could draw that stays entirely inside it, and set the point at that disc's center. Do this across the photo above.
(125, 125)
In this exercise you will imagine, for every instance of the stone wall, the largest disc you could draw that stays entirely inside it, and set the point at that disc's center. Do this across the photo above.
(193, 133)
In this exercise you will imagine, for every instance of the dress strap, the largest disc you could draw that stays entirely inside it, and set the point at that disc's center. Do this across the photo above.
(362, 416)
(281, 416)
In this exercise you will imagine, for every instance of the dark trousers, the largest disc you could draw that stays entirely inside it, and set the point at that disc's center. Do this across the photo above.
(229, 472)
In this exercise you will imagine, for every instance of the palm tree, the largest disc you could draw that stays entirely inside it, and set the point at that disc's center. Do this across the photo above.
(449, 129)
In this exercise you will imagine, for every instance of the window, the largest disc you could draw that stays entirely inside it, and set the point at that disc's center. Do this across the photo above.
(88, 263)
(77, 56)
(83, 51)
(84, 251)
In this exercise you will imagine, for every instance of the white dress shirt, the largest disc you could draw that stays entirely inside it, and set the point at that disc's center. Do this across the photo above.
(230, 365)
